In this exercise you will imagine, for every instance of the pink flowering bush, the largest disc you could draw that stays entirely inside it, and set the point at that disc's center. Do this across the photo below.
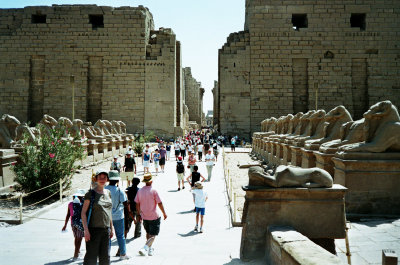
(46, 161)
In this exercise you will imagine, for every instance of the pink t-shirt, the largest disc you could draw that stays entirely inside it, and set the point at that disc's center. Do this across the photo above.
(71, 210)
(148, 199)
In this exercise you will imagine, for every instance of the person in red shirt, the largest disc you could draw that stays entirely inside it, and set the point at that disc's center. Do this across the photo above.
(147, 200)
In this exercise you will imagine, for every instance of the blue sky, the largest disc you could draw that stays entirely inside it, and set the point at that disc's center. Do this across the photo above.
(201, 26)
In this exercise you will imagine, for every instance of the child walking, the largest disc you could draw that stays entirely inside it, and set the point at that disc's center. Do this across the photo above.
(200, 198)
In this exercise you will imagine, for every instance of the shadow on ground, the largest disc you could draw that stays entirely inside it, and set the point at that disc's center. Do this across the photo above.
(190, 233)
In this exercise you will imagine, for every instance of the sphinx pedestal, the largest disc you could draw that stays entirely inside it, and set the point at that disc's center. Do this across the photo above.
(93, 151)
(317, 213)
(372, 179)
(307, 158)
(103, 150)
(279, 153)
(296, 156)
(287, 154)
(325, 162)
(7, 158)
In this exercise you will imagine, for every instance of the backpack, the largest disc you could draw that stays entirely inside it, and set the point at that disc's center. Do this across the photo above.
(180, 168)
(76, 217)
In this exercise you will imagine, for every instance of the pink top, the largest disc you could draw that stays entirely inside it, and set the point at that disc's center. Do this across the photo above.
(148, 199)
(71, 210)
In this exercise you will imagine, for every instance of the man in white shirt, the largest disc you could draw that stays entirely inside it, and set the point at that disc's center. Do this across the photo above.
(200, 150)
(210, 159)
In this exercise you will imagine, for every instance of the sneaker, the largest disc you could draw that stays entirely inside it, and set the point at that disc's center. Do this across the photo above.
(179, 189)
(124, 257)
(144, 250)
(151, 252)
(196, 228)
(201, 230)
(183, 187)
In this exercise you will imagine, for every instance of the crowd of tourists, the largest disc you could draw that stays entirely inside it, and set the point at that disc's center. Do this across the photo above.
(106, 208)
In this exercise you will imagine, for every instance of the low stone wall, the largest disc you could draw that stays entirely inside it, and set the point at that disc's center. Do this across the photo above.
(286, 246)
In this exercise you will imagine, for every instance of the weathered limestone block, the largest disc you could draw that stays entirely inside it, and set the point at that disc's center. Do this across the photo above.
(316, 213)
(7, 158)
(284, 245)
(373, 181)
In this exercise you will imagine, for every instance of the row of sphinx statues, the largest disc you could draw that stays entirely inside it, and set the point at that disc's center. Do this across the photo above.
(378, 131)
(12, 131)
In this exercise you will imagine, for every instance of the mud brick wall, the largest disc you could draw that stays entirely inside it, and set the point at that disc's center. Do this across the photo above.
(316, 54)
(107, 50)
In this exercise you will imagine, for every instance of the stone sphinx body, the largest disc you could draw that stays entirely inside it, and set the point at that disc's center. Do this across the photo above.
(381, 130)
(8, 125)
(351, 132)
(315, 130)
(336, 118)
(48, 124)
(289, 176)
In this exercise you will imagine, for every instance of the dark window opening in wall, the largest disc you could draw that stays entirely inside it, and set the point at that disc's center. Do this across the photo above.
(38, 19)
(299, 21)
(97, 21)
(234, 64)
(357, 21)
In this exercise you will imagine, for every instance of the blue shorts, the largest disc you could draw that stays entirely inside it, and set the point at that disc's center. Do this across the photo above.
(202, 211)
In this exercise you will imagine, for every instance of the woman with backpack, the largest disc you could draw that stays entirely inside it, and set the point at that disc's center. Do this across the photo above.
(74, 213)
(180, 173)
(97, 221)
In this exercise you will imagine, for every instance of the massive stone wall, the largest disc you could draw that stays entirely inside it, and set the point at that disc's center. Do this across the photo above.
(234, 87)
(193, 96)
(120, 65)
(311, 54)
(215, 104)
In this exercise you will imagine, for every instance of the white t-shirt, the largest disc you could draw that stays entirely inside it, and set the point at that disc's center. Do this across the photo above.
(199, 198)
(200, 148)
(190, 148)
(176, 146)
(182, 147)
(210, 162)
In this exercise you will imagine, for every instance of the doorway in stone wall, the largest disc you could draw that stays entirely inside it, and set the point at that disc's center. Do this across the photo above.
(359, 87)
(36, 89)
(300, 84)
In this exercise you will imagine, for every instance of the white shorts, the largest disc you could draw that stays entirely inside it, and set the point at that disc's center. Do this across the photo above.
(146, 163)
(180, 176)
(156, 163)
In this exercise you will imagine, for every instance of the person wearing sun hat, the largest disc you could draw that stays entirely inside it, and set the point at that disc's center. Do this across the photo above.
(99, 229)
(200, 198)
(147, 200)
(119, 202)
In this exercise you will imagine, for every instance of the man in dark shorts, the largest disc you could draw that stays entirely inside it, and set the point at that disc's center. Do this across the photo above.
(146, 201)
(163, 154)
(134, 216)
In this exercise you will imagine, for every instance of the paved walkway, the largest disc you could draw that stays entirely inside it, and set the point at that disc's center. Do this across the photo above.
(41, 241)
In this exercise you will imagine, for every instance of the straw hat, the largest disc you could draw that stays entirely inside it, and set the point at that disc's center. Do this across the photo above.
(198, 185)
(147, 178)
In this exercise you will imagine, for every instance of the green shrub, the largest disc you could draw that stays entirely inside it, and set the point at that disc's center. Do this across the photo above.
(139, 143)
(46, 161)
